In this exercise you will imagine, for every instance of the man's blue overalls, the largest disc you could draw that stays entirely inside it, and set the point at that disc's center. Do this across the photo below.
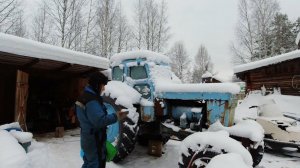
(93, 120)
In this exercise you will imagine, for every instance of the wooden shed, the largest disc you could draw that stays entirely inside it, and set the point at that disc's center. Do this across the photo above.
(39, 82)
(281, 72)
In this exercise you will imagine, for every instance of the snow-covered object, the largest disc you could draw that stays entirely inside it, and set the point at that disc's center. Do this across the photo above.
(30, 48)
(172, 126)
(203, 87)
(22, 137)
(218, 140)
(10, 125)
(267, 61)
(124, 95)
(166, 81)
(149, 55)
(197, 110)
(288, 105)
(229, 160)
(247, 129)
(12, 155)
(145, 102)
(207, 75)
(298, 39)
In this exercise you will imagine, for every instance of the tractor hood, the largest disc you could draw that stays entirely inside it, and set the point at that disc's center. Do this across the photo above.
(204, 91)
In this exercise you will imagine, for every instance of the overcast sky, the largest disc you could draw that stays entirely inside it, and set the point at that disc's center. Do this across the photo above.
(208, 22)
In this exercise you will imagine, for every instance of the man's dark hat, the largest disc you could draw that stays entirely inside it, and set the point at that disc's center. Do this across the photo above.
(96, 79)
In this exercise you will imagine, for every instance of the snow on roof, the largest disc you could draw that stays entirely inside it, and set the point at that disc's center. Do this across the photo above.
(298, 39)
(207, 75)
(30, 48)
(149, 55)
(267, 61)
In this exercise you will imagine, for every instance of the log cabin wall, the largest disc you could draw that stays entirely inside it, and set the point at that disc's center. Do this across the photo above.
(284, 75)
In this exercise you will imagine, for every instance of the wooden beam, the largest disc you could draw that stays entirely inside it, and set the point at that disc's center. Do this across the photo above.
(64, 67)
(21, 98)
(31, 63)
(91, 70)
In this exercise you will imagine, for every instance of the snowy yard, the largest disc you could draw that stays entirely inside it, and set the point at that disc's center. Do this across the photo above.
(64, 152)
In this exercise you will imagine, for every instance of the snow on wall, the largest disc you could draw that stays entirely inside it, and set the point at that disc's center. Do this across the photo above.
(12, 155)
(247, 129)
(149, 55)
(30, 48)
(267, 61)
(229, 160)
(218, 140)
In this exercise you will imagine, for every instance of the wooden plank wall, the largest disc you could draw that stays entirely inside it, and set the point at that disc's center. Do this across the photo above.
(285, 75)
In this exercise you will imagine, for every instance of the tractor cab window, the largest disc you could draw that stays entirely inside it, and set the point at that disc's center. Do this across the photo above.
(138, 72)
(117, 73)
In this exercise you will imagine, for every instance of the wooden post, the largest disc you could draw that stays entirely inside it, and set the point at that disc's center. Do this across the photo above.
(21, 98)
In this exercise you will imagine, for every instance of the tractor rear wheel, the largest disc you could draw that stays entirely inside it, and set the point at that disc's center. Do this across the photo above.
(121, 134)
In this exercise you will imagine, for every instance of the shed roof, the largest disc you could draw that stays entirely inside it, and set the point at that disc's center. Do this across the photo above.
(268, 61)
(22, 52)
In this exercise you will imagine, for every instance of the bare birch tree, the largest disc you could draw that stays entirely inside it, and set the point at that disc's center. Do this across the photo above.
(106, 27)
(180, 60)
(253, 30)
(152, 32)
(202, 64)
(123, 32)
(11, 17)
(42, 25)
(89, 38)
(66, 15)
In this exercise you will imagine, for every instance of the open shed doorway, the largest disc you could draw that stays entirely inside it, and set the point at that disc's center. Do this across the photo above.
(7, 94)
(51, 102)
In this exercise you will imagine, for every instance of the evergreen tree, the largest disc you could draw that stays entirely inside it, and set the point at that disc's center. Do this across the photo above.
(282, 35)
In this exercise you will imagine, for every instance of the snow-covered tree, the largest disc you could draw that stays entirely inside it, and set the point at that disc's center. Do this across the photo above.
(180, 60)
(202, 64)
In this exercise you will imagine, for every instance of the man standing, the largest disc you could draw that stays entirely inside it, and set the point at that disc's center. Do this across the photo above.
(94, 120)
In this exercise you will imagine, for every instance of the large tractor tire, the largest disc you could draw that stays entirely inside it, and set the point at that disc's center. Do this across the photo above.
(121, 134)
(199, 158)
(257, 154)
(199, 148)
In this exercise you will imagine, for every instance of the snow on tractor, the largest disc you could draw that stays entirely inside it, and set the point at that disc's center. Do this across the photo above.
(161, 107)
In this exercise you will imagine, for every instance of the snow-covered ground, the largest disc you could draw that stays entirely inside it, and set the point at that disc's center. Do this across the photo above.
(51, 152)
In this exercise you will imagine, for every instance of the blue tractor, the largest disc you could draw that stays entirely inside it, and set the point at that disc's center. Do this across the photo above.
(167, 107)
